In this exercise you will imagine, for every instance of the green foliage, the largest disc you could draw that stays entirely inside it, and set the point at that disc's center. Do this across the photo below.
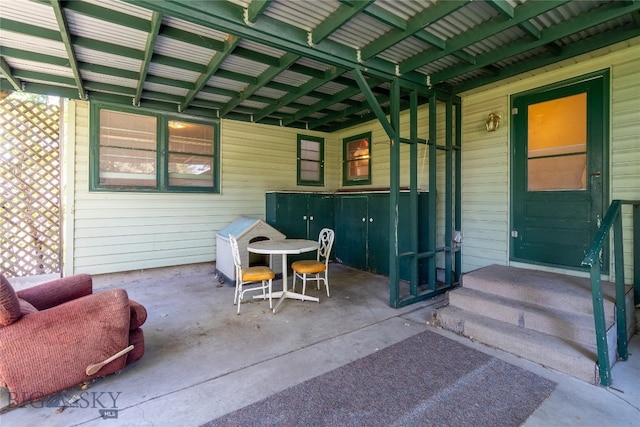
(35, 98)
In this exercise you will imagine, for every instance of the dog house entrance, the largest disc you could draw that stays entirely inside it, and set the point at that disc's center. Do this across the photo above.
(258, 259)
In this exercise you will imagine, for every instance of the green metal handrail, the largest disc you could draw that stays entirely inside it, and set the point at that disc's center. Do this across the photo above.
(612, 219)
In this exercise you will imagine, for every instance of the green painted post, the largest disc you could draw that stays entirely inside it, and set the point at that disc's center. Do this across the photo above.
(413, 190)
(448, 198)
(621, 312)
(601, 330)
(636, 253)
(394, 189)
(458, 186)
(433, 124)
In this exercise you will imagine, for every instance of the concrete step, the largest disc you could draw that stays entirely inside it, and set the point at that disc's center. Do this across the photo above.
(551, 321)
(547, 289)
(541, 316)
(577, 360)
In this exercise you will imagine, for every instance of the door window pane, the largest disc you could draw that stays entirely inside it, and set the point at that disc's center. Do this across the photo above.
(558, 173)
(557, 144)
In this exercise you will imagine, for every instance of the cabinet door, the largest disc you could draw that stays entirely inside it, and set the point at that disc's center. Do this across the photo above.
(292, 213)
(423, 237)
(378, 234)
(351, 227)
(271, 211)
(404, 234)
(320, 214)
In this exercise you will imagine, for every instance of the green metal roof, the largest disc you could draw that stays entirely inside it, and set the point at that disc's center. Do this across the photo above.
(288, 62)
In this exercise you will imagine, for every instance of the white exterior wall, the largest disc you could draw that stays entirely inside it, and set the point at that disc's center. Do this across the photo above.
(625, 140)
(486, 159)
(123, 231)
(112, 232)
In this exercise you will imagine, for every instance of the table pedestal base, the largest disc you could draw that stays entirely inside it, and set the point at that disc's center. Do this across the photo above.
(283, 295)
(284, 247)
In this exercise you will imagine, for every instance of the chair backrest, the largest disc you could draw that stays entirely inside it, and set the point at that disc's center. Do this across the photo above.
(236, 255)
(326, 242)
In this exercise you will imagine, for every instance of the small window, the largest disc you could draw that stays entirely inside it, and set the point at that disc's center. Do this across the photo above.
(133, 151)
(127, 152)
(191, 154)
(357, 160)
(310, 160)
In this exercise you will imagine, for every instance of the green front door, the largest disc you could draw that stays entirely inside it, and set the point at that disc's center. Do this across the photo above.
(559, 170)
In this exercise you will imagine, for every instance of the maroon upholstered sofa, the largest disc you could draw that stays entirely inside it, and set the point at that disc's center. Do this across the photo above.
(51, 333)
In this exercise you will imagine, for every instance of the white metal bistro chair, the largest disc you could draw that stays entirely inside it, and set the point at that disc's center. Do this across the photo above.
(315, 270)
(248, 275)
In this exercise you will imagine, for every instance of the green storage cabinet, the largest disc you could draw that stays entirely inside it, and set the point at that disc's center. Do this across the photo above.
(299, 215)
(378, 233)
(362, 231)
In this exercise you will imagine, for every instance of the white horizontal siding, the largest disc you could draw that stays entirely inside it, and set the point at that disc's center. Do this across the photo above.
(485, 184)
(625, 141)
(486, 159)
(123, 231)
(131, 231)
(486, 155)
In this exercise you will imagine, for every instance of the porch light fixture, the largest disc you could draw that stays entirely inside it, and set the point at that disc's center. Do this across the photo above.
(493, 122)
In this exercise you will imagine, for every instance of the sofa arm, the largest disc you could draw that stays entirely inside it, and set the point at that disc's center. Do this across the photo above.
(46, 352)
(138, 314)
(56, 292)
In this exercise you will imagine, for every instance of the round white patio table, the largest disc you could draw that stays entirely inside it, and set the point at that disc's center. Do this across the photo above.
(284, 248)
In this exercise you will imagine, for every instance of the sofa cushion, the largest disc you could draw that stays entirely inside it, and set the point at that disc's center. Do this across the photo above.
(26, 307)
(9, 305)
(57, 291)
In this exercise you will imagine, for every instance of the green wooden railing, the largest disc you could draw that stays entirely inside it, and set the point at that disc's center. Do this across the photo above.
(612, 219)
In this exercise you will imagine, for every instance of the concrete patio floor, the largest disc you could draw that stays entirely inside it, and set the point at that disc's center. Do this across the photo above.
(203, 361)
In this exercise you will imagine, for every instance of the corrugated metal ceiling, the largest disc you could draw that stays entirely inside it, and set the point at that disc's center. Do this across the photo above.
(289, 63)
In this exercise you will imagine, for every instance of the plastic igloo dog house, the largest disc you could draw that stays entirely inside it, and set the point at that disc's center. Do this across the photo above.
(245, 230)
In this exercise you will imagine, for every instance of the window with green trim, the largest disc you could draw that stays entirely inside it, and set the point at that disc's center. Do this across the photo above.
(310, 160)
(145, 151)
(357, 160)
